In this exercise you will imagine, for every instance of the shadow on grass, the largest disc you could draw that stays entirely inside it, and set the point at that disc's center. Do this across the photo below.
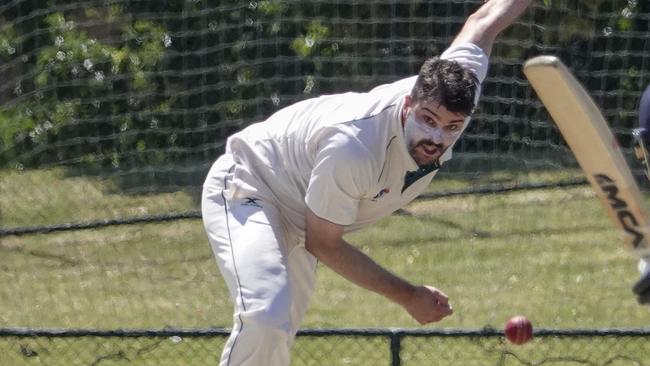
(473, 233)
(148, 180)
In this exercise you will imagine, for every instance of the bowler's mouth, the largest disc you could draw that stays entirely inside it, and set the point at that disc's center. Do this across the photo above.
(431, 149)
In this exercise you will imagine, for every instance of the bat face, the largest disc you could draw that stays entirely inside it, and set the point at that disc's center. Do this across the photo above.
(626, 218)
(595, 147)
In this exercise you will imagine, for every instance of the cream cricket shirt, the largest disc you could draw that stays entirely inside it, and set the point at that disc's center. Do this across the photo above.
(343, 156)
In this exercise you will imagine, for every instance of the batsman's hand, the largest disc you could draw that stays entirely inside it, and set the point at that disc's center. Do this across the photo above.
(428, 305)
(642, 289)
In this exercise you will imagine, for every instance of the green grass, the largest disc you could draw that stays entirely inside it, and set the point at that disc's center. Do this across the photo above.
(549, 254)
(44, 197)
(339, 351)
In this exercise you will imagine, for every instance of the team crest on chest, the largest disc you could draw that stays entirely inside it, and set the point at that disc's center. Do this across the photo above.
(381, 194)
(254, 202)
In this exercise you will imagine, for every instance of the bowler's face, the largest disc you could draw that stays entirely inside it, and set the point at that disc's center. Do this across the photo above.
(429, 129)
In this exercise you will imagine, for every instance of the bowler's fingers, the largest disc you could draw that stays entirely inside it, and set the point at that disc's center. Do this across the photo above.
(442, 302)
(445, 309)
(440, 296)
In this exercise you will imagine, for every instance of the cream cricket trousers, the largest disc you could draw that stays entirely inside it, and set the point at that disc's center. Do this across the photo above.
(268, 271)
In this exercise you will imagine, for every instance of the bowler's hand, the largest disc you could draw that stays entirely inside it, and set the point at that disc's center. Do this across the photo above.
(428, 305)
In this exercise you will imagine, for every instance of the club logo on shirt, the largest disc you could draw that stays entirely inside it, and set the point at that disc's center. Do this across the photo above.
(251, 202)
(381, 194)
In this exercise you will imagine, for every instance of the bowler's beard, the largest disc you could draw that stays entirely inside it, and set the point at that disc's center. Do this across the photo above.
(420, 157)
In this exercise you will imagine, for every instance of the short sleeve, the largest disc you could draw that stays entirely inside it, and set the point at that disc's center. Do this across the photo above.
(339, 180)
(469, 56)
(399, 87)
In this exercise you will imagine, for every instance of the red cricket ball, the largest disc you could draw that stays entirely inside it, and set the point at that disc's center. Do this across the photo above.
(519, 330)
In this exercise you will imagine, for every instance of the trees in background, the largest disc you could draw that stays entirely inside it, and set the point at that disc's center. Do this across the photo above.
(127, 84)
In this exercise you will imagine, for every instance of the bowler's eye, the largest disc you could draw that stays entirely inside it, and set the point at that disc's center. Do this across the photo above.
(428, 120)
(453, 128)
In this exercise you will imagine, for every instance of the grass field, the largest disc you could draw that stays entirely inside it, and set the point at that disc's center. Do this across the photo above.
(549, 254)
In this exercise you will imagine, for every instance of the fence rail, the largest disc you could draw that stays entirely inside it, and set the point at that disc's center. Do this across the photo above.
(196, 214)
(624, 346)
(322, 332)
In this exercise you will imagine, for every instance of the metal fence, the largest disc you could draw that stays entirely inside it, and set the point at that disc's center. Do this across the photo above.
(106, 100)
(368, 347)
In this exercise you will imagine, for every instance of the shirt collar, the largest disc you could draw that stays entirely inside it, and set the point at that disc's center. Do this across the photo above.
(398, 131)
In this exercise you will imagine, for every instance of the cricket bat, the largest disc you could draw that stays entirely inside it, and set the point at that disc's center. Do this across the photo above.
(586, 132)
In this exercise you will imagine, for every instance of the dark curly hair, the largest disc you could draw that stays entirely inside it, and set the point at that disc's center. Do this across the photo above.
(447, 83)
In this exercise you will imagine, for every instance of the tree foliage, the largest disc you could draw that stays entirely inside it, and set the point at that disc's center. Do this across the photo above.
(134, 83)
